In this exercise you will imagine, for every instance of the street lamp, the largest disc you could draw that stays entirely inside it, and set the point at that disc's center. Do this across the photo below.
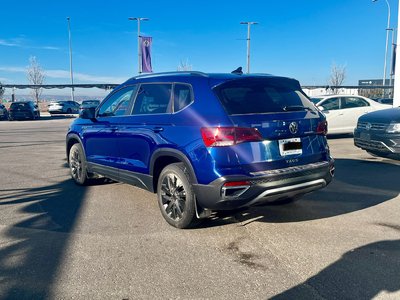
(248, 42)
(138, 19)
(387, 42)
(70, 60)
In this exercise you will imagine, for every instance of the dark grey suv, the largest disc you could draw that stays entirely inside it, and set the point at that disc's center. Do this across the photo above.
(379, 133)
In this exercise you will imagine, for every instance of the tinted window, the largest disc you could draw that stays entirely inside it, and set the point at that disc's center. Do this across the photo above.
(118, 103)
(182, 96)
(153, 99)
(261, 96)
(20, 105)
(352, 102)
(331, 104)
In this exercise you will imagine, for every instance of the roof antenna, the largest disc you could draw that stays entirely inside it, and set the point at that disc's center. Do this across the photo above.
(238, 71)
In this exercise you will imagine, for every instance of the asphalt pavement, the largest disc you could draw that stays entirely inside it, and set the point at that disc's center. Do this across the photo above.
(109, 241)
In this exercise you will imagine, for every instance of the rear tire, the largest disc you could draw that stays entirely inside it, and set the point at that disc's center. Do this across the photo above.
(77, 164)
(176, 198)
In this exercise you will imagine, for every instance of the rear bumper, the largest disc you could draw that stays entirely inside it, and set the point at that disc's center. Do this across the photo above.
(267, 186)
(21, 115)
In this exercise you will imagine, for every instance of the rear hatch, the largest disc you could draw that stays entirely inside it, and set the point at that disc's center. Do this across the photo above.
(292, 131)
(20, 109)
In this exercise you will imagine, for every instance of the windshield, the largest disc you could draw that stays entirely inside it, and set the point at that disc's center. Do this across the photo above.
(250, 96)
(315, 100)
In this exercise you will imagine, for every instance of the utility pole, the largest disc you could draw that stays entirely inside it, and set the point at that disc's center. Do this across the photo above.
(70, 60)
(138, 19)
(248, 43)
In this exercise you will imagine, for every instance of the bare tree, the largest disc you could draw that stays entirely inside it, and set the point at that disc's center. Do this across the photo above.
(35, 76)
(338, 76)
(184, 66)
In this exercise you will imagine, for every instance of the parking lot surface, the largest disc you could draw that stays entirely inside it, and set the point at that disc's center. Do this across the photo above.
(109, 241)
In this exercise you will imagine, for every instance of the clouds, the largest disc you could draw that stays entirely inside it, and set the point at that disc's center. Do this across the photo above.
(83, 77)
(64, 74)
(26, 44)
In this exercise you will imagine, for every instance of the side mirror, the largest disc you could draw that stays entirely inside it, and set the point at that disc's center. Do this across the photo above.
(321, 108)
(88, 113)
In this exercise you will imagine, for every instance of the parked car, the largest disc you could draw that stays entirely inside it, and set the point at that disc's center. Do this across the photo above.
(388, 101)
(379, 133)
(23, 110)
(87, 104)
(3, 112)
(63, 107)
(342, 111)
(204, 142)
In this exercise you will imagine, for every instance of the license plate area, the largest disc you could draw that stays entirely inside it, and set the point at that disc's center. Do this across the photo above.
(365, 136)
(290, 146)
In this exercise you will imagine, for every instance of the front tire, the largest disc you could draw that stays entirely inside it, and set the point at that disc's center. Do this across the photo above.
(176, 198)
(77, 164)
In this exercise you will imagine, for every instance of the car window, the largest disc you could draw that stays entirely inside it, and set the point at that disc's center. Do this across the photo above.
(261, 96)
(118, 103)
(183, 96)
(331, 104)
(153, 99)
(353, 102)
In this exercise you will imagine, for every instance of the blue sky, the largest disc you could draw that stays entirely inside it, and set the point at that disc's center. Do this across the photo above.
(300, 39)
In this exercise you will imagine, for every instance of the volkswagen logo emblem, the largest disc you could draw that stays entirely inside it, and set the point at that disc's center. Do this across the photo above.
(293, 127)
(368, 126)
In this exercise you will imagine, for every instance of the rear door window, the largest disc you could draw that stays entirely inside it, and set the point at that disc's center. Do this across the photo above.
(353, 102)
(153, 99)
(253, 96)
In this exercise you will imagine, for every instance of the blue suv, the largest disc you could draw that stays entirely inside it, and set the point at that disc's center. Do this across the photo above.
(204, 142)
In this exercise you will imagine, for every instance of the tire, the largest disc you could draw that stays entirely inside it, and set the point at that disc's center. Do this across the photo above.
(176, 198)
(77, 165)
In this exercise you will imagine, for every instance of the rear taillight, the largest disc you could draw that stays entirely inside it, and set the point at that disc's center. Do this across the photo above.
(229, 136)
(322, 128)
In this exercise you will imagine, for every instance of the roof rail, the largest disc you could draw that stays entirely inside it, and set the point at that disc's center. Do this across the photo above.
(193, 73)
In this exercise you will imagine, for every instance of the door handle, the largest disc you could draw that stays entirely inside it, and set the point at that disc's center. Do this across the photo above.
(158, 129)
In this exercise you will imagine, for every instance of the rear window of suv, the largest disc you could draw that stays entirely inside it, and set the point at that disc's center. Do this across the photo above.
(20, 105)
(255, 96)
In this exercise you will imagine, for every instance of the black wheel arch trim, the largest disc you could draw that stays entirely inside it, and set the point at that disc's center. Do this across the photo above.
(73, 136)
(176, 154)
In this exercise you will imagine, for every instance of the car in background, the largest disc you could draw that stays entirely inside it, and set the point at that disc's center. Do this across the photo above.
(23, 110)
(385, 100)
(379, 133)
(88, 104)
(188, 137)
(3, 112)
(63, 107)
(343, 111)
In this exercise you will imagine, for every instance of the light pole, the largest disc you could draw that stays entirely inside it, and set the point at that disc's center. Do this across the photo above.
(387, 42)
(138, 19)
(392, 58)
(248, 43)
(70, 60)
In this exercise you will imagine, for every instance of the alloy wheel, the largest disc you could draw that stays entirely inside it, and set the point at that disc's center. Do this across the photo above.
(173, 196)
(76, 165)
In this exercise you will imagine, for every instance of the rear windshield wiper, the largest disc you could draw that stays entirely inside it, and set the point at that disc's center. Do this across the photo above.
(297, 108)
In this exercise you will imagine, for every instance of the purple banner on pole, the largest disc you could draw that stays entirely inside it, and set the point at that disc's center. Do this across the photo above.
(145, 42)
